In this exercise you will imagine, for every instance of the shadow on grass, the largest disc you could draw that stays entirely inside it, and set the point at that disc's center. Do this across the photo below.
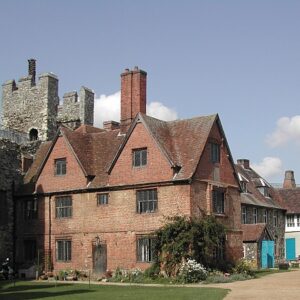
(26, 292)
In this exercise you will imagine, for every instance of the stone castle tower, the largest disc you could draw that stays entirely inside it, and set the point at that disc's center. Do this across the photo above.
(33, 107)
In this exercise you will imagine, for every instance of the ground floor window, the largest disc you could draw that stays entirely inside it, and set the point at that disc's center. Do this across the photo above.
(145, 249)
(219, 251)
(63, 250)
(29, 250)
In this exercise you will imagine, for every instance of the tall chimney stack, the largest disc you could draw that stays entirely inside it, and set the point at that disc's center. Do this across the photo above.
(32, 68)
(133, 96)
(289, 180)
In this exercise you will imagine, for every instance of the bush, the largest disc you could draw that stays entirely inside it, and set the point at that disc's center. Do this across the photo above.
(243, 267)
(153, 271)
(283, 266)
(191, 272)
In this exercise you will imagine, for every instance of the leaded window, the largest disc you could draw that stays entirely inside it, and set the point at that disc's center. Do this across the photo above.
(145, 249)
(146, 201)
(215, 152)
(30, 209)
(102, 199)
(218, 201)
(63, 207)
(63, 250)
(139, 158)
(60, 166)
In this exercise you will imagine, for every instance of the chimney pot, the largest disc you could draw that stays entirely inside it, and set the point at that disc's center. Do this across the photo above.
(289, 180)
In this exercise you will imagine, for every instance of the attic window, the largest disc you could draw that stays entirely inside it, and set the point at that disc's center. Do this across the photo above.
(215, 152)
(139, 157)
(60, 166)
(244, 186)
(264, 190)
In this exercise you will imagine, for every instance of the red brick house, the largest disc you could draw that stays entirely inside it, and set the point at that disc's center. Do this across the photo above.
(93, 197)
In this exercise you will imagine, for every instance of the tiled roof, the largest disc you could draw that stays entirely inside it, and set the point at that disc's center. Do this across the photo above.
(291, 198)
(182, 142)
(253, 196)
(253, 232)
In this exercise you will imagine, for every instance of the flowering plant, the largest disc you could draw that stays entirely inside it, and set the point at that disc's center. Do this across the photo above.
(191, 271)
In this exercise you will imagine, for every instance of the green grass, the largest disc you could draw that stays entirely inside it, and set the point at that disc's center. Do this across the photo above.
(39, 290)
(265, 272)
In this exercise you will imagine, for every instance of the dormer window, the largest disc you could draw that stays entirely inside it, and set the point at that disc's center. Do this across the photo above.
(264, 190)
(60, 166)
(215, 152)
(139, 157)
(244, 186)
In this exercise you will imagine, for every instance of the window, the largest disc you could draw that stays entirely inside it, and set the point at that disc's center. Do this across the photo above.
(60, 166)
(3, 208)
(63, 250)
(218, 201)
(30, 209)
(244, 215)
(264, 190)
(63, 207)
(290, 221)
(29, 250)
(265, 216)
(244, 186)
(33, 134)
(215, 152)
(146, 201)
(275, 218)
(254, 215)
(139, 158)
(298, 220)
(102, 199)
(145, 249)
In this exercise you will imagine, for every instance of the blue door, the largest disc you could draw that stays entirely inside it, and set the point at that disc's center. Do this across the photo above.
(267, 254)
(290, 249)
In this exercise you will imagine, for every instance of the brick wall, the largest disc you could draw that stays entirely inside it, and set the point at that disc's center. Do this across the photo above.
(74, 177)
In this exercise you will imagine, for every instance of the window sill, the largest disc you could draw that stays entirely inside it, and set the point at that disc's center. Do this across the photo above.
(222, 215)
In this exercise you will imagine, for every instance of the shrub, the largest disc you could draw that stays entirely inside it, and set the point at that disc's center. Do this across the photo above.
(191, 271)
(152, 271)
(283, 266)
(243, 267)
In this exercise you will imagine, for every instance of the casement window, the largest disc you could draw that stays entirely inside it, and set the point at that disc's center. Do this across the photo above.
(102, 199)
(265, 216)
(244, 186)
(30, 250)
(215, 152)
(218, 197)
(290, 221)
(146, 201)
(264, 190)
(139, 157)
(145, 249)
(60, 166)
(30, 209)
(254, 215)
(275, 218)
(63, 250)
(63, 207)
(244, 215)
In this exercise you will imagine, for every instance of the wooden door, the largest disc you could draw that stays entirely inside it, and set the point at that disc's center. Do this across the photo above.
(100, 258)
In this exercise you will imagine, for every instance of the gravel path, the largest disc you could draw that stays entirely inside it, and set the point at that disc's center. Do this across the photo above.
(280, 286)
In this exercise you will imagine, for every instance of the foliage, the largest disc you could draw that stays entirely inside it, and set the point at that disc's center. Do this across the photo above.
(221, 278)
(152, 271)
(283, 266)
(191, 272)
(123, 275)
(243, 267)
(182, 238)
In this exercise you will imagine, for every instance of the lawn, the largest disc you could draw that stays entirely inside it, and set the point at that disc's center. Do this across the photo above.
(24, 290)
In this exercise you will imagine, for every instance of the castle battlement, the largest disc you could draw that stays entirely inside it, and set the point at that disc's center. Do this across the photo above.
(33, 107)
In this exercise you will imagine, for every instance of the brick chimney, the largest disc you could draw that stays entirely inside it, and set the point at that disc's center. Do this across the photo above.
(133, 96)
(289, 180)
(244, 162)
(32, 68)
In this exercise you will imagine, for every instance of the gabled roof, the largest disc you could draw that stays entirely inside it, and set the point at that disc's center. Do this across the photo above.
(255, 232)
(291, 198)
(181, 142)
(253, 196)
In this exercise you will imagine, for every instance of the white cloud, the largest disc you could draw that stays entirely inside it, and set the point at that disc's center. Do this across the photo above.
(288, 129)
(107, 108)
(268, 167)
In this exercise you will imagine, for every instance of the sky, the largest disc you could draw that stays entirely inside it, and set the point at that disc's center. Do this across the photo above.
(240, 59)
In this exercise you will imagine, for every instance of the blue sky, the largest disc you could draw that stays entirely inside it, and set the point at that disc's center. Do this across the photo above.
(240, 59)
